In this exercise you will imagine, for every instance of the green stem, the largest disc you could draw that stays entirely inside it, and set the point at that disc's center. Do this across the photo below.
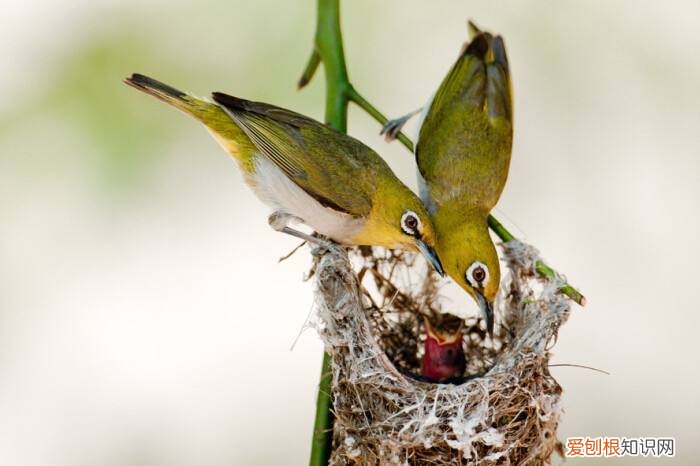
(321, 443)
(310, 69)
(329, 44)
(499, 229)
(377, 115)
(541, 268)
(328, 48)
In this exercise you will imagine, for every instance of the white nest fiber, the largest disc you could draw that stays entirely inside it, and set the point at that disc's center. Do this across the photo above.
(370, 323)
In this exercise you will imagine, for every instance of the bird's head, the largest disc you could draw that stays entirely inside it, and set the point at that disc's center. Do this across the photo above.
(471, 260)
(401, 220)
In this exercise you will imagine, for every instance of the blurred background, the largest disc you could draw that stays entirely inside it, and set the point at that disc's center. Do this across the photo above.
(144, 319)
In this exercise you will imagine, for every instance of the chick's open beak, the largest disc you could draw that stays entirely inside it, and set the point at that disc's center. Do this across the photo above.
(487, 310)
(431, 256)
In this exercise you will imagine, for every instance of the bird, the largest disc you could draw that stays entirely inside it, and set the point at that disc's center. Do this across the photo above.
(463, 156)
(309, 173)
(443, 355)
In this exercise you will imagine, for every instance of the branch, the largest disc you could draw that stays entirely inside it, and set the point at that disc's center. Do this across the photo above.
(377, 115)
(541, 268)
(310, 69)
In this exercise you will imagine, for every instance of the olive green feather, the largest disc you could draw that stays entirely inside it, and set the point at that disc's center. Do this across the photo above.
(334, 168)
(464, 146)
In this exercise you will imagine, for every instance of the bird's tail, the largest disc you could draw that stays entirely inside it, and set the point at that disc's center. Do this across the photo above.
(491, 51)
(224, 130)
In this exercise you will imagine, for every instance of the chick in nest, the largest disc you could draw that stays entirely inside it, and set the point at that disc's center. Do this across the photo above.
(443, 359)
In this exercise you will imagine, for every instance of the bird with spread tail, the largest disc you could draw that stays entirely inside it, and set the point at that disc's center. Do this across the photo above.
(463, 155)
(309, 173)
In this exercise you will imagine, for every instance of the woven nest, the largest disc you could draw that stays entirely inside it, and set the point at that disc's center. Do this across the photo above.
(505, 411)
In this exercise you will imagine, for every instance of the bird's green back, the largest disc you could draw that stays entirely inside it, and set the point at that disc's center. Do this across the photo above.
(464, 146)
(334, 168)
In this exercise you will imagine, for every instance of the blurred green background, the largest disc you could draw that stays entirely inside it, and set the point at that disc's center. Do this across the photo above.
(144, 319)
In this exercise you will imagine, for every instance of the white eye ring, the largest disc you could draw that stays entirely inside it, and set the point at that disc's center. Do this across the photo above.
(470, 271)
(406, 229)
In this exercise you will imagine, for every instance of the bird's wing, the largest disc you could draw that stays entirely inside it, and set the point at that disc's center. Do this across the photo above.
(333, 168)
(465, 140)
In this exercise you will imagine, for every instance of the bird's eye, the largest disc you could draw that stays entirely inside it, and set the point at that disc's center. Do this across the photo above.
(410, 223)
(477, 274)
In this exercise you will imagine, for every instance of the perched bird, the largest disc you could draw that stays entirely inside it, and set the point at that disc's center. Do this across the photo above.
(463, 155)
(443, 356)
(309, 173)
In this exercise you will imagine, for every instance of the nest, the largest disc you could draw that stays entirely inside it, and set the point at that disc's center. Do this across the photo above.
(370, 305)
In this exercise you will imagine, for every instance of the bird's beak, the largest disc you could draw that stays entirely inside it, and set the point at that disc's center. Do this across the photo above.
(443, 339)
(431, 256)
(487, 310)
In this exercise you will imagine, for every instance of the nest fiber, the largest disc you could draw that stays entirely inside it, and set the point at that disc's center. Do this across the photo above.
(370, 306)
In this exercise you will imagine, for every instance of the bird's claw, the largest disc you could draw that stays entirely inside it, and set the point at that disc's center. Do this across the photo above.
(322, 247)
(392, 128)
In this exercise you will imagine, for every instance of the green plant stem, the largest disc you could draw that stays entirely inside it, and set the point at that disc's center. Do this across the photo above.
(541, 268)
(377, 115)
(322, 440)
(329, 46)
(328, 49)
(310, 69)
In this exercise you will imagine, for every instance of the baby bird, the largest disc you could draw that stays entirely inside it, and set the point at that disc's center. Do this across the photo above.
(443, 356)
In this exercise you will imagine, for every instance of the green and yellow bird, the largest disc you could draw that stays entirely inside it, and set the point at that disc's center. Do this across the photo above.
(463, 155)
(309, 173)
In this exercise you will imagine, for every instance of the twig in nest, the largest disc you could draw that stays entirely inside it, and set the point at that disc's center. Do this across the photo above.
(284, 258)
(581, 366)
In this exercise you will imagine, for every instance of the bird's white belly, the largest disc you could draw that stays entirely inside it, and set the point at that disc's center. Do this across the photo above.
(275, 189)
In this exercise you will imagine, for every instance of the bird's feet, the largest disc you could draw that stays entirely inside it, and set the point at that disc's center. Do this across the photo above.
(392, 128)
(279, 221)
